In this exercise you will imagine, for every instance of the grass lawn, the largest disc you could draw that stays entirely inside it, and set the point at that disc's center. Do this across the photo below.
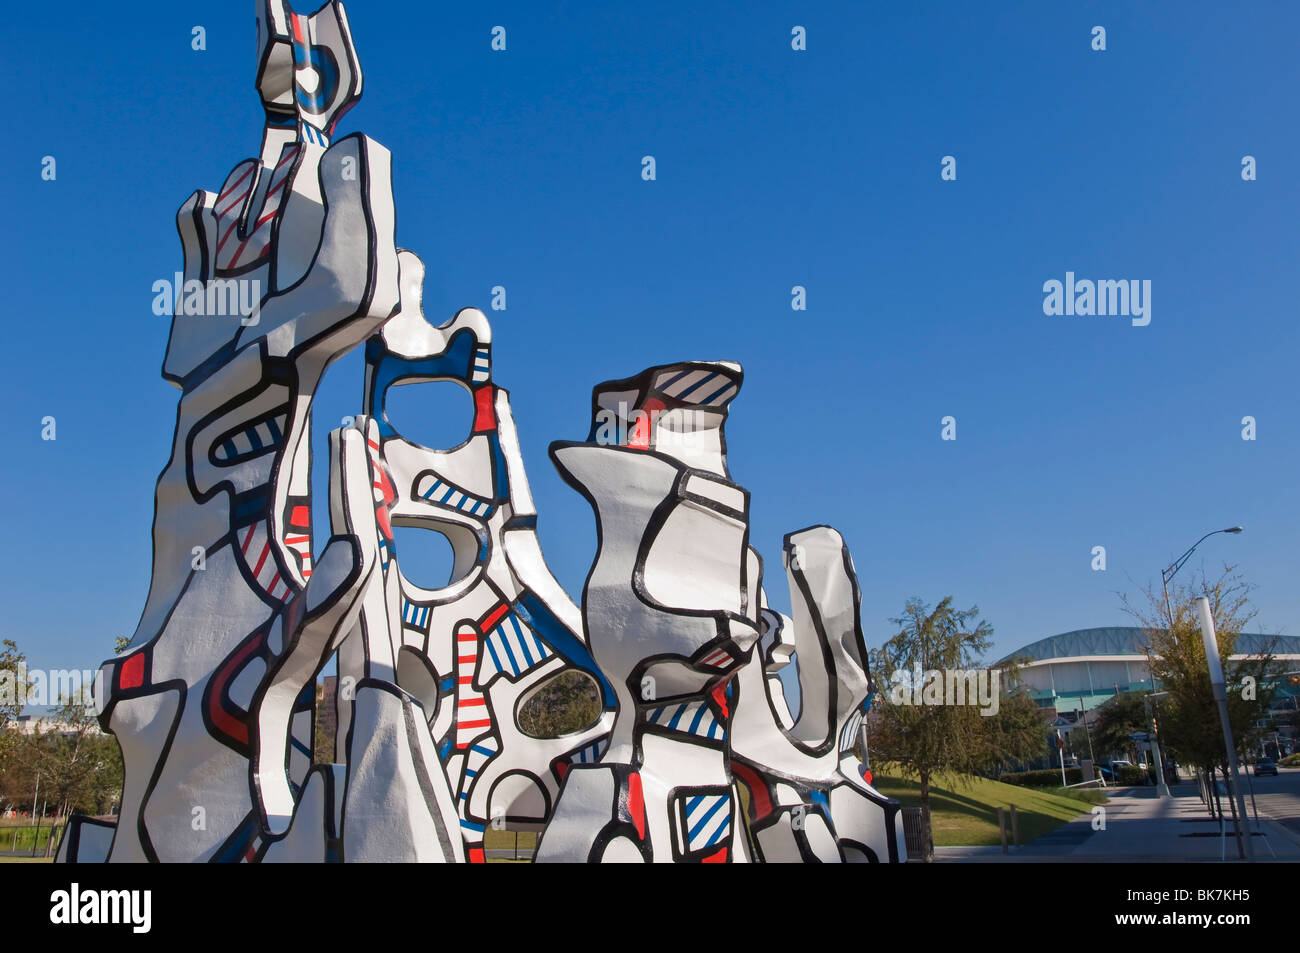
(505, 840)
(20, 835)
(964, 811)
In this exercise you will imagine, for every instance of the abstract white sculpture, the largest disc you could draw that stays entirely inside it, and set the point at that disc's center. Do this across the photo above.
(309, 227)
(474, 651)
(810, 797)
(212, 701)
(671, 611)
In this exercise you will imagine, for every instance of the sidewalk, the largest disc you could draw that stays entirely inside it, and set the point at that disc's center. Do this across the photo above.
(1140, 828)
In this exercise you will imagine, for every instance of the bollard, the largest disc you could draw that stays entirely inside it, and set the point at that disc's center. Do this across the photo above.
(1015, 827)
(1002, 827)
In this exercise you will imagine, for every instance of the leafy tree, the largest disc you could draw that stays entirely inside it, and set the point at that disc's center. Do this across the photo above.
(1117, 718)
(11, 683)
(1015, 735)
(80, 768)
(1188, 720)
(930, 741)
(11, 661)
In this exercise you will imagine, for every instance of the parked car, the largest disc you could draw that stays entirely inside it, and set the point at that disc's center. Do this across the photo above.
(1265, 766)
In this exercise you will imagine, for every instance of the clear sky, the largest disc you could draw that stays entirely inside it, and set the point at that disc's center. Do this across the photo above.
(775, 168)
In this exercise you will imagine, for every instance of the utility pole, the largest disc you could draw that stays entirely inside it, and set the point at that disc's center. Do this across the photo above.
(1162, 786)
(1079, 716)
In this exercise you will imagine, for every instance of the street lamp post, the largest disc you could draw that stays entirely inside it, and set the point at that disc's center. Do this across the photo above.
(1221, 697)
(1169, 571)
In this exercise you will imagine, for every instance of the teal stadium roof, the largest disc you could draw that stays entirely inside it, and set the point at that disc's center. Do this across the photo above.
(1128, 640)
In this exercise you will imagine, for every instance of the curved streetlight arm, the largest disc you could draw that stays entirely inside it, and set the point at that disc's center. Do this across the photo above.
(1172, 569)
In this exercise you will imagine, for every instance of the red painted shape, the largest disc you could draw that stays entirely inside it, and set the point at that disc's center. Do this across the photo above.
(867, 776)
(234, 728)
(494, 617)
(384, 485)
(639, 438)
(485, 412)
(719, 857)
(300, 516)
(759, 797)
(636, 803)
(476, 856)
(720, 696)
(561, 769)
(130, 673)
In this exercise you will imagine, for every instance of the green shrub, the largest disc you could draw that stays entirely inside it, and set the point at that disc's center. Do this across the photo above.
(1291, 761)
(1047, 778)
(1132, 775)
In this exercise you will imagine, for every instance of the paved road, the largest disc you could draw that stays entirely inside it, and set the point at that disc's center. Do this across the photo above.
(1278, 798)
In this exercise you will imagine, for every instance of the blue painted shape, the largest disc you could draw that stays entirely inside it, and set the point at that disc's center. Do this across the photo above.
(554, 633)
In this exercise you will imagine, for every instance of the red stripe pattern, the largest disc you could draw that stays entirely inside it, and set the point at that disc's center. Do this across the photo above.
(237, 247)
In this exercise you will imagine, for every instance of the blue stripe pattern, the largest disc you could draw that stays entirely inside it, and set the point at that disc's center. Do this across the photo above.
(698, 386)
(693, 718)
(252, 440)
(448, 495)
(708, 820)
(414, 616)
(514, 648)
(482, 365)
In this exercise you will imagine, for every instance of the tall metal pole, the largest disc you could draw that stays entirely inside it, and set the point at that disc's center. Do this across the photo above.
(1162, 786)
(1221, 697)
(1088, 734)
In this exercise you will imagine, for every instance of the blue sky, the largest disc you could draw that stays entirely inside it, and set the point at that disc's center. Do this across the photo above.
(775, 168)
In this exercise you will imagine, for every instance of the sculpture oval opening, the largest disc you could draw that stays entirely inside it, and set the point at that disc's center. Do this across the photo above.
(563, 704)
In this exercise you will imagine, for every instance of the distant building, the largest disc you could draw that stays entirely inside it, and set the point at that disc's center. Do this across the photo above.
(31, 724)
(1079, 670)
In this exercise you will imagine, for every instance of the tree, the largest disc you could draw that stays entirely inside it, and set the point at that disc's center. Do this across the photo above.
(1119, 717)
(1013, 737)
(1188, 721)
(930, 740)
(80, 767)
(12, 690)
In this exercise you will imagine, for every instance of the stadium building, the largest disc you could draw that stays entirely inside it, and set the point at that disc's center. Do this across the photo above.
(1079, 670)
(1075, 672)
